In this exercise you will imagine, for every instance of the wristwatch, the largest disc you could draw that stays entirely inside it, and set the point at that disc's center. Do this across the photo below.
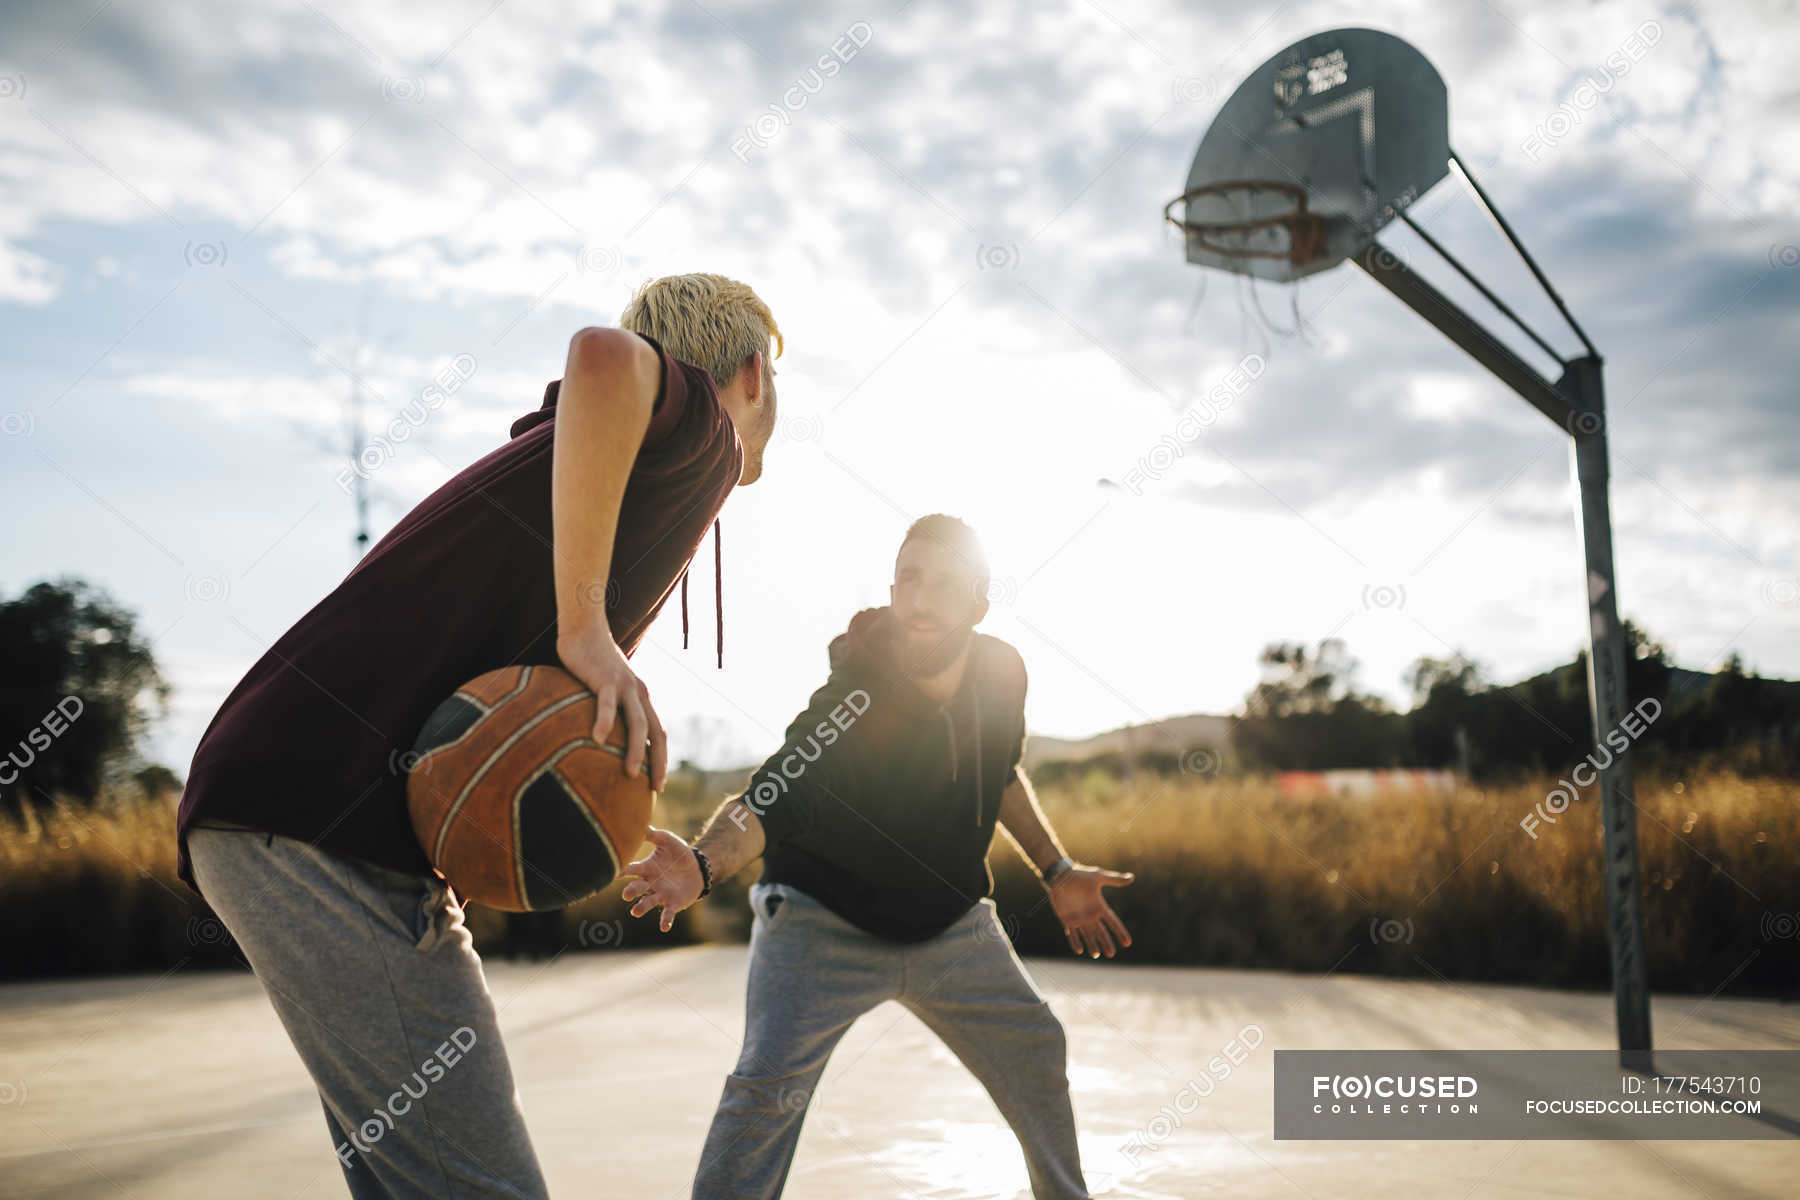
(1055, 870)
(705, 871)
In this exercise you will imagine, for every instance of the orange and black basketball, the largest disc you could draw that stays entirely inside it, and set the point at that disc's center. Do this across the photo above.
(514, 801)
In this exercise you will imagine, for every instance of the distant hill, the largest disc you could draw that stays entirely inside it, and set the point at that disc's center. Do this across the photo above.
(1684, 683)
(1171, 735)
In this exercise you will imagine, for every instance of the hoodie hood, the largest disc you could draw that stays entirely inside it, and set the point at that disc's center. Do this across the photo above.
(544, 412)
(865, 652)
(867, 644)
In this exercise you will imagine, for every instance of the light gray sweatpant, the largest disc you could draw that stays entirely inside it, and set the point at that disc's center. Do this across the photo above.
(812, 973)
(375, 977)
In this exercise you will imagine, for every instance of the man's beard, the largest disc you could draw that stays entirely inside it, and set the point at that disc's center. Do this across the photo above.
(923, 659)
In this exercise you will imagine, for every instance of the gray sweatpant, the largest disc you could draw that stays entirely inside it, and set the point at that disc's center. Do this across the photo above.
(376, 979)
(812, 973)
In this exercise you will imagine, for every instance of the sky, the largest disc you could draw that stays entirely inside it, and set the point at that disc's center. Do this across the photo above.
(214, 218)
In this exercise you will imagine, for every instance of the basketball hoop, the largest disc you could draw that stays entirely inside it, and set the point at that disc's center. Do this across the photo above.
(1355, 125)
(1250, 233)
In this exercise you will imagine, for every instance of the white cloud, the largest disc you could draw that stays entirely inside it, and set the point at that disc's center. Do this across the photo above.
(26, 278)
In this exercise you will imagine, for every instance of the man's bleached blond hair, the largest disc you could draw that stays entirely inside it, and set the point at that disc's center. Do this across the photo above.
(708, 320)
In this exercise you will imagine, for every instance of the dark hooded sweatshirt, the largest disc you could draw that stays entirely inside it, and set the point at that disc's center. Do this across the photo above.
(881, 803)
(314, 741)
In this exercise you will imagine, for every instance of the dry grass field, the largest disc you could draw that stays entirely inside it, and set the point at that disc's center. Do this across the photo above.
(1229, 874)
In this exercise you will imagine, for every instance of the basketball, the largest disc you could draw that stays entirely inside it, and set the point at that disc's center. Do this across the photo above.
(512, 799)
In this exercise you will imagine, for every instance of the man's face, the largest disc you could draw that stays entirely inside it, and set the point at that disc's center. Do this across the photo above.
(755, 439)
(937, 600)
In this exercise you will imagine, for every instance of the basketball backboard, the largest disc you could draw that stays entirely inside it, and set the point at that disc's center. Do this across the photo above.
(1313, 153)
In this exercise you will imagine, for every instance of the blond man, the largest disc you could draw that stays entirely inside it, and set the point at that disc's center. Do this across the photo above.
(559, 547)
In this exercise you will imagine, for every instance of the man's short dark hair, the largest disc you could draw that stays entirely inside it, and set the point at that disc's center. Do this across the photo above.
(956, 536)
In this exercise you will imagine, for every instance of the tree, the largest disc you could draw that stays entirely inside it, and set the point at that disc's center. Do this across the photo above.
(1307, 715)
(1445, 717)
(80, 692)
(1456, 676)
(1296, 681)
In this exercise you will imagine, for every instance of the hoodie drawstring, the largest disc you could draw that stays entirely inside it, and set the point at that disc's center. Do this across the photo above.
(719, 590)
(980, 800)
(950, 728)
(718, 596)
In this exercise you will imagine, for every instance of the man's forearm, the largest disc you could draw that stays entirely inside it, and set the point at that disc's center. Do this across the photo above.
(1025, 823)
(603, 408)
(732, 840)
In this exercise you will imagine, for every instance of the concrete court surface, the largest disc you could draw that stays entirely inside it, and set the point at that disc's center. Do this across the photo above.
(185, 1086)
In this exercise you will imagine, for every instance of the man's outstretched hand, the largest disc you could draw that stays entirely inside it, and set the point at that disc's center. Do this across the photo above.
(668, 876)
(1093, 928)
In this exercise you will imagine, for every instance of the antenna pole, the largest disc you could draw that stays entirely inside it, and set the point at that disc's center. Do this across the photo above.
(361, 485)
(357, 441)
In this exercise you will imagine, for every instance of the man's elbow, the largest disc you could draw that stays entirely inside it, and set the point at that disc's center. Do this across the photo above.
(614, 356)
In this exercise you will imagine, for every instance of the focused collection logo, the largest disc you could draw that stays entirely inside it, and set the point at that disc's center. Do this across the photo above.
(1378, 1095)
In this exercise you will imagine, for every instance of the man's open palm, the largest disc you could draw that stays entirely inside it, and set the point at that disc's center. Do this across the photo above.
(667, 876)
(1091, 925)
